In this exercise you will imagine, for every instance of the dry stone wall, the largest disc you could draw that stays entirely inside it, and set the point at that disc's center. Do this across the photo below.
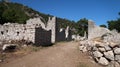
(35, 31)
(106, 50)
(104, 53)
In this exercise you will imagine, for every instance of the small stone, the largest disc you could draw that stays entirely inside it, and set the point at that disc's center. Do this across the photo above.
(109, 55)
(97, 54)
(117, 58)
(112, 44)
(117, 50)
(81, 48)
(103, 61)
(94, 49)
(101, 49)
(84, 49)
(107, 48)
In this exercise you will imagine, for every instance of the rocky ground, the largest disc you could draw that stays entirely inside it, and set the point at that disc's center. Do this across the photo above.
(65, 54)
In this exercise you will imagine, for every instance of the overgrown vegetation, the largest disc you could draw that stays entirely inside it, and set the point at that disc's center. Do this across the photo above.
(18, 13)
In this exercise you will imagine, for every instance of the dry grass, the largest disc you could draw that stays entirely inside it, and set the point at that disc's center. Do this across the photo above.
(22, 51)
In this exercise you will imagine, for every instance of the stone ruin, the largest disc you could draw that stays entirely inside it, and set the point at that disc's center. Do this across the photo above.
(107, 35)
(103, 45)
(35, 31)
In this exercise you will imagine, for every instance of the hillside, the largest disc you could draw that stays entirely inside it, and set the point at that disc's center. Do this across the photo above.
(18, 13)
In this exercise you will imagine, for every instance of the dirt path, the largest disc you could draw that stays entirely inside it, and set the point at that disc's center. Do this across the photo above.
(64, 54)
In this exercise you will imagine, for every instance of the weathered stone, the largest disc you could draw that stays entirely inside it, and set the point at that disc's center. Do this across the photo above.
(95, 31)
(9, 46)
(103, 61)
(105, 34)
(107, 48)
(117, 50)
(84, 49)
(81, 48)
(111, 44)
(99, 44)
(101, 49)
(97, 54)
(109, 55)
(113, 64)
(94, 49)
(117, 58)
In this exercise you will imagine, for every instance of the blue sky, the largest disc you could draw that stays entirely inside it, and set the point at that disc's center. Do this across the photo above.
(100, 11)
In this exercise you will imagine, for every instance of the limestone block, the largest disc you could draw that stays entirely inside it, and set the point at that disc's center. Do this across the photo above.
(117, 50)
(103, 61)
(97, 54)
(109, 55)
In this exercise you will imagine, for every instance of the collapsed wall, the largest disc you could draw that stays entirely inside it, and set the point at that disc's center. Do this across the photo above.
(107, 35)
(35, 31)
(95, 31)
(51, 25)
(29, 31)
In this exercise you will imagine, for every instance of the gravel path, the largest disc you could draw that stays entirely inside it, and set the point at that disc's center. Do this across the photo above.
(64, 54)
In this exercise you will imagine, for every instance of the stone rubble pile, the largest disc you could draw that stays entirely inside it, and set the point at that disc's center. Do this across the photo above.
(103, 45)
(104, 53)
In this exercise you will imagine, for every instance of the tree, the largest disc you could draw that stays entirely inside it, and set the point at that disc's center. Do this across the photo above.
(82, 26)
(103, 26)
(114, 24)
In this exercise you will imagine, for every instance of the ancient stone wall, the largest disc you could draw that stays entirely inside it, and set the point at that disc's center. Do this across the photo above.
(113, 36)
(51, 25)
(95, 31)
(35, 31)
(16, 31)
(107, 35)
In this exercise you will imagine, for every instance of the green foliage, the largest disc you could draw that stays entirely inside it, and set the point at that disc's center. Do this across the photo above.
(103, 26)
(10, 12)
(82, 26)
(65, 22)
(114, 24)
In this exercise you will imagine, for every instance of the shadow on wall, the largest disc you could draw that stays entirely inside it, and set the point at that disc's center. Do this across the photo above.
(60, 35)
(42, 37)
